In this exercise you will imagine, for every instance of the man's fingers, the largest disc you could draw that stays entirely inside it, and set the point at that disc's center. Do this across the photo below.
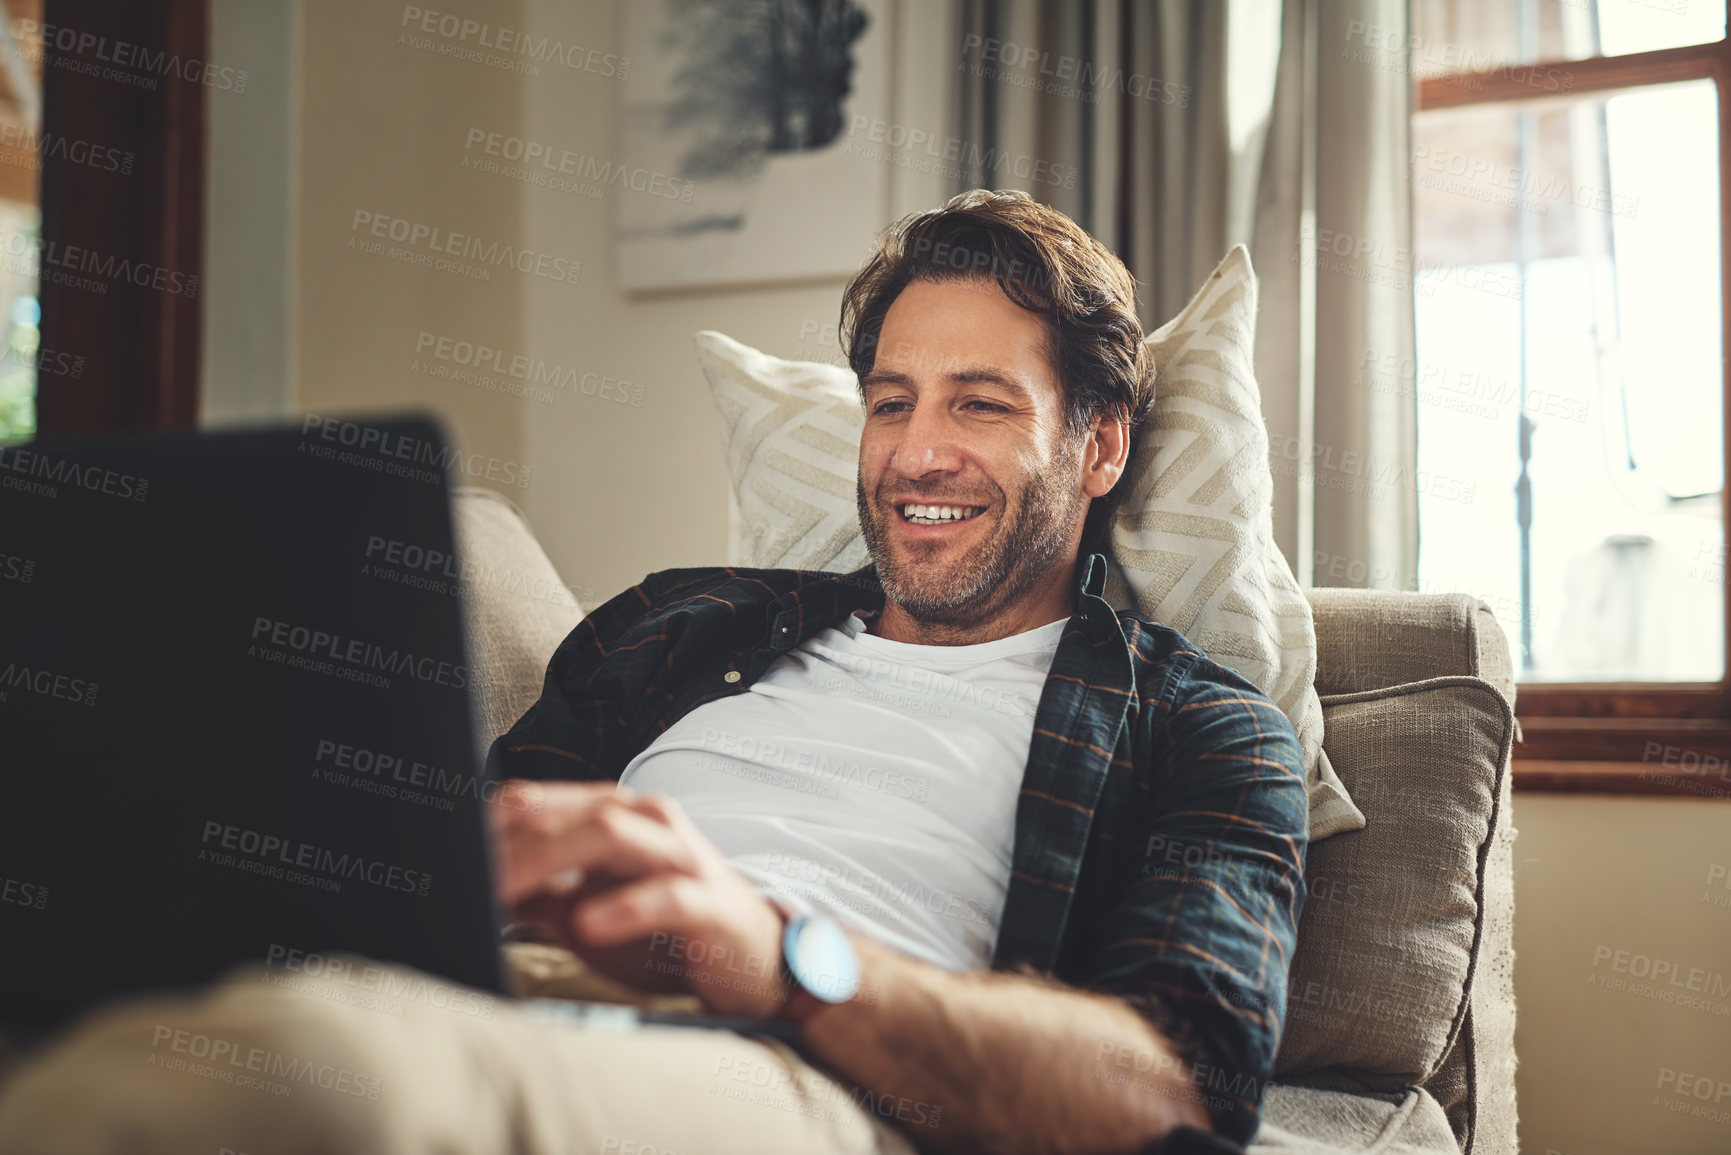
(629, 913)
(610, 840)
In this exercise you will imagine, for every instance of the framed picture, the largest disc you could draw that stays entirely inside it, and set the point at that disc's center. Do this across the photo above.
(745, 109)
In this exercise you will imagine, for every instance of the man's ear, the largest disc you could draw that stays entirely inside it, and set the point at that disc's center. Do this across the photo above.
(1107, 452)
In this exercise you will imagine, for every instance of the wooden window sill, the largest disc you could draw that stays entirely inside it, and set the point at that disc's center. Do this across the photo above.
(1699, 779)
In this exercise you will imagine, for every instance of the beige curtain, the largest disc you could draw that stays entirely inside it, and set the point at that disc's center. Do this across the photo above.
(1174, 129)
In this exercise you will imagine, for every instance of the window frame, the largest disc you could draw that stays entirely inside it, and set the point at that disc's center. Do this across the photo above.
(1624, 737)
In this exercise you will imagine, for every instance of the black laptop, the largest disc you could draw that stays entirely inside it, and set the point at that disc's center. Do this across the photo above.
(235, 717)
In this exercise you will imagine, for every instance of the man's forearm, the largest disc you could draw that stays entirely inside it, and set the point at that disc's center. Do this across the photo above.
(1005, 1064)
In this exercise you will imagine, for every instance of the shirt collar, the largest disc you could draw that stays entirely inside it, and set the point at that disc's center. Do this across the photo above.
(829, 597)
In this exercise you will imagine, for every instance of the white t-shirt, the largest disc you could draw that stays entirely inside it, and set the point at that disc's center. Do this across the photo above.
(873, 779)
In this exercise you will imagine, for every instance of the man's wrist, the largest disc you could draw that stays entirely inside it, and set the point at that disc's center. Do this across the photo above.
(796, 1004)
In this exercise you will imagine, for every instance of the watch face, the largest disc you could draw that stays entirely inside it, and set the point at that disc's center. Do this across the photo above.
(822, 958)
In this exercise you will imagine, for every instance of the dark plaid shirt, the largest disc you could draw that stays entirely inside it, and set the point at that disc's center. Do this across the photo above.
(1160, 831)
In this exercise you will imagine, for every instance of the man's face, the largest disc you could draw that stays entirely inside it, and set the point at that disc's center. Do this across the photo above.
(963, 409)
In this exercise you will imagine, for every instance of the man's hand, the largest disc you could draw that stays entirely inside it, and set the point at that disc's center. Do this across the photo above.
(629, 884)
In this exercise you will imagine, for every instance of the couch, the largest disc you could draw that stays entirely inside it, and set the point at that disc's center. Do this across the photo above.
(1400, 1024)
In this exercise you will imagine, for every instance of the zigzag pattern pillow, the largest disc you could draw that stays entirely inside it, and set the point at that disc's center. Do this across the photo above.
(1192, 545)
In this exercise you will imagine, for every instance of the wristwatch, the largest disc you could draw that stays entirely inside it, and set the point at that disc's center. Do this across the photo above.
(818, 962)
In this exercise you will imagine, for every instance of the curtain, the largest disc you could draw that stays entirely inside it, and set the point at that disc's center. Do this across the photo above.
(1174, 129)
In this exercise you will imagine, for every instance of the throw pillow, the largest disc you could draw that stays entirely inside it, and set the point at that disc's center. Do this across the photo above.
(1381, 978)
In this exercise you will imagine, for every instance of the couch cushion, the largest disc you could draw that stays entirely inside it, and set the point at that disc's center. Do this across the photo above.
(1301, 1121)
(517, 609)
(1382, 974)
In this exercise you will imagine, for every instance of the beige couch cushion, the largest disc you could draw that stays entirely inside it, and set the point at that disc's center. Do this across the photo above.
(1382, 975)
(518, 611)
(1300, 1121)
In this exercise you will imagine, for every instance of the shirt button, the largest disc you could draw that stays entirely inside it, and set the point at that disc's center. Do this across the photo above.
(731, 676)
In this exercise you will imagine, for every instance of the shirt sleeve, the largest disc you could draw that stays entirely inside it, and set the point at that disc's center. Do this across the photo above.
(1199, 930)
(586, 699)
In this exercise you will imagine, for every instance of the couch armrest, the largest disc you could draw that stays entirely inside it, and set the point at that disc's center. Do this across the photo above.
(1369, 639)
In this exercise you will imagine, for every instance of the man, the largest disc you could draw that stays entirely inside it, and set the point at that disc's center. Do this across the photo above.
(1050, 855)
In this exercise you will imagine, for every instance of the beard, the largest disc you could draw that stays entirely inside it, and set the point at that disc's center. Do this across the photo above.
(1022, 549)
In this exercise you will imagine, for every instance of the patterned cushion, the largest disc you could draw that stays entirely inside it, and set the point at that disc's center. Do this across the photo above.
(1193, 542)
(1192, 545)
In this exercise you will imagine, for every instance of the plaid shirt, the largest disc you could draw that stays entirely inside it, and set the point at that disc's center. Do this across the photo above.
(1160, 832)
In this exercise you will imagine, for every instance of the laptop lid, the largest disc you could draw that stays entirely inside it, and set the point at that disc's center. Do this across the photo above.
(235, 715)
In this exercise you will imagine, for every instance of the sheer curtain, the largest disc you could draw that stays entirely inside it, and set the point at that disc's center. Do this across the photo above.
(1174, 129)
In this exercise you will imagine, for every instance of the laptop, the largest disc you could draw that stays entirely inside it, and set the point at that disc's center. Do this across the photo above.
(235, 713)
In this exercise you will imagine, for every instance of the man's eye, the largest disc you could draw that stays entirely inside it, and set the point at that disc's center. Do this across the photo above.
(887, 406)
(990, 406)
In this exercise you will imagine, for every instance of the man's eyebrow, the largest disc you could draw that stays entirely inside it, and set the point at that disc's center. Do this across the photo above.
(967, 373)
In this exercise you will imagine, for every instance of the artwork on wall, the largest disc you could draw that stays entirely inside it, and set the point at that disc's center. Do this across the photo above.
(745, 109)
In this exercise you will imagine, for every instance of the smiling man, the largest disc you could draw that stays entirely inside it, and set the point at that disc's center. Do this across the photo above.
(1061, 847)
(1012, 870)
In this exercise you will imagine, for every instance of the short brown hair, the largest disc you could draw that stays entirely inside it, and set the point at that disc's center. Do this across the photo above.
(1047, 264)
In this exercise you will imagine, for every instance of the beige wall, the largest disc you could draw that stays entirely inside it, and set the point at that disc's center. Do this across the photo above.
(1595, 876)
(621, 490)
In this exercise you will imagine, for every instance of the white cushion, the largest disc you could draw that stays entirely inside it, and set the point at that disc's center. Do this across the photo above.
(1192, 544)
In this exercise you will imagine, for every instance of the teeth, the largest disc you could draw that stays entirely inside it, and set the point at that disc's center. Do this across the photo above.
(937, 513)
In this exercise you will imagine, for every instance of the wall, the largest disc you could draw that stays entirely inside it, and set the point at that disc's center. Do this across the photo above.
(1595, 876)
(621, 490)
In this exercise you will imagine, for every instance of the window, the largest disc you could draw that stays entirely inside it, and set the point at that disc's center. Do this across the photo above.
(1570, 224)
(20, 223)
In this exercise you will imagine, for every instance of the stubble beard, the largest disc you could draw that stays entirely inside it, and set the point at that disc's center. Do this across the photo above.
(1000, 571)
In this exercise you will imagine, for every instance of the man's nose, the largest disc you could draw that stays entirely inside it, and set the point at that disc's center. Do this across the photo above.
(929, 443)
